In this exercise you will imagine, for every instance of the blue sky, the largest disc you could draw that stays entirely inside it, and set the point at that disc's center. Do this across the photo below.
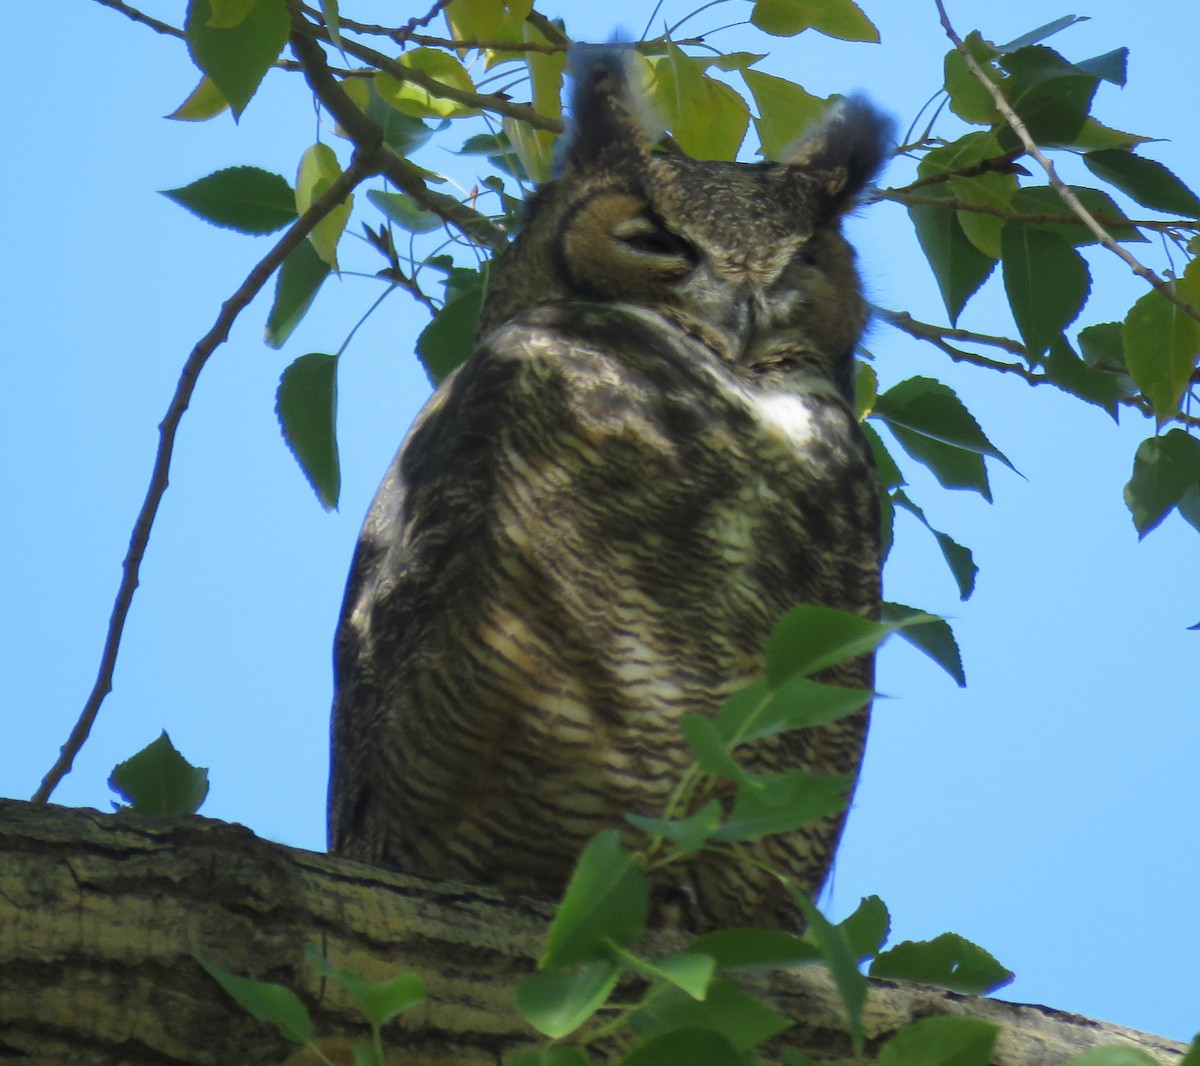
(1050, 811)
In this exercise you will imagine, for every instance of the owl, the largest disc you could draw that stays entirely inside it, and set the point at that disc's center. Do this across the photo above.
(649, 457)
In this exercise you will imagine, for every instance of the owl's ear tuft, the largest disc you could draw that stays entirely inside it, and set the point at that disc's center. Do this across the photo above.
(610, 118)
(846, 150)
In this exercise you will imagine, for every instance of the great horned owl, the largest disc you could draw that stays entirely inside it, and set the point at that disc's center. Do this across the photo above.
(594, 523)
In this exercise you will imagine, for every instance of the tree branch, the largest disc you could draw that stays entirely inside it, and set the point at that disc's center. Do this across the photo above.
(1068, 197)
(362, 166)
(132, 12)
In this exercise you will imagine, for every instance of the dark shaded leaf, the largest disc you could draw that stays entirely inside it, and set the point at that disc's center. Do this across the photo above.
(606, 899)
(944, 1041)
(306, 406)
(450, 337)
(804, 798)
(296, 286)
(237, 57)
(1145, 180)
(931, 635)
(267, 1001)
(557, 1002)
(1166, 474)
(1051, 96)
(1102, 346)
(550, 1055)
(867, 928)
(798, 703)
(403, 210)
(1043, 200)
(959, 559)
(736, 1015)
(948, 961)
(688, 833)
(835, 949)
(958, 266)
(756, 949)
(885, 466)
(809, 638)
(1042, 32)
(1071, 374)
(158, 780)
(1047, 282)
(246, 199)
(685, 1047)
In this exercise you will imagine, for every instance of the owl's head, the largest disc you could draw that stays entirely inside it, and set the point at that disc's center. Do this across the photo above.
(748, 258)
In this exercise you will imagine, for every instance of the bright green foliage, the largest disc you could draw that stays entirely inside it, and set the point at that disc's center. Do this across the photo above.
(306, 405)
(785, 110)
(318, 170)
(237, 56)
(158, 780)
(969, 99)
(268, 1001)
(1118, 1055)
(416, 99)
(1162, 343)
(246, 199)
(690, 973)
(947, 961)
(944, 1041)
(835, 18)
(1166, 475)
(708, 118)
(203, 102)
(557, 1002)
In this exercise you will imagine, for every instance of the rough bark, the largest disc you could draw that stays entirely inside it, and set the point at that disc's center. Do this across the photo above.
(102, 918)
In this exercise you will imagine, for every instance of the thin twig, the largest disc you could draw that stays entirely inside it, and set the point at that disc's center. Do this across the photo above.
(1068, 197)
(144, 19)
(405, 175)
(362, 166)
(1065, 219)
(927, 331)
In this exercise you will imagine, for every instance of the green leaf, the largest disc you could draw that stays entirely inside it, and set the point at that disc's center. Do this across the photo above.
(550, 1055)
(738, 1017)
(1166, 474)
(1162, 343)
(229, 13)
(690, 973)
(557, 1002)
(929, 634)
(842, 19)
(1146, 181)
(237, 57)
(798, 703)
(708, 748)
(402, 133)
(687, 834)
(970, 100)
(1047, 282)
(885, 466)
(266, 1001)
(943, 1041)
(931, 423)
(1102, 346)
(450, 337)
(993, 191)
(1042, 32)
(246, 199)
(1051, 96)
(959, 559)
(1043, 200)
(404, 211)
(306, 406)
(1071, 374)
(318, 170)
(296, 287)
(948, 961)
(1191, 1057)
(606, 899)
(809, 638)
(958, 266)
(380, 1001)
(785, 111)
(835, 949)
(1117, 1055)
(867, 928)
(329, 12)
(756, 949)
(419, 102)
(204, 102)
(708, 118)
(158, 780)
(1096, 136)
(685, 1047)
(794, 799)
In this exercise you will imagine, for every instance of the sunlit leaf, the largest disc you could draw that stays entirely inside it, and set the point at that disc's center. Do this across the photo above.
(992, 191)
(809, 638)
(691, 972)
(785, 111)
(318, 170)
(557, 1002)
(708, 118)
(204, 102)
(842, 19)
(404, 211)
(417, 100)
(306, 406)
(969, 99)
(158, 780)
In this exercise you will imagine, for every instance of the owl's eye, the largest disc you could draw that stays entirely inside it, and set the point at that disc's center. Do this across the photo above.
(648, 237)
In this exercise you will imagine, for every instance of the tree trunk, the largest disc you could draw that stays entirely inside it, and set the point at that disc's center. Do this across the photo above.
(102, 919)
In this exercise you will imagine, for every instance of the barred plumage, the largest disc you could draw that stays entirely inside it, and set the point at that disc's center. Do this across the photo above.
(592, 526)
